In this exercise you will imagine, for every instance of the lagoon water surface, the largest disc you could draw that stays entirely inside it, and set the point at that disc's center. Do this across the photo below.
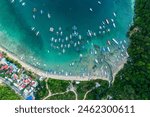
(58, 36)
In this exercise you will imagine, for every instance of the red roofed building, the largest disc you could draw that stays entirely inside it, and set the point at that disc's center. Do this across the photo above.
(23, 86)
(5, 67)
(15, 76)
(1, 55)
(11, 67)
(26, 81)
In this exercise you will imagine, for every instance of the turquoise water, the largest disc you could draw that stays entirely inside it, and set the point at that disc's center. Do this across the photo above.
(76, 25)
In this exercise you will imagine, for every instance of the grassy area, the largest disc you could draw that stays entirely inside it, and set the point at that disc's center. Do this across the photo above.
(57, 86)
(66, 96)
(83, 87)
(6, 93)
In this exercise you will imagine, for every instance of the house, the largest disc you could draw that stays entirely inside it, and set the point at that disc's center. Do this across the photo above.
(34, 84)
(26, 92)
(4, 67)
(22, 86)
(15, 77)
(1, 56)
(26, 81)
(16, 85)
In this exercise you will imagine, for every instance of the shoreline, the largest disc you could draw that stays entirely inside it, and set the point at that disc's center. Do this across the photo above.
(44, 74)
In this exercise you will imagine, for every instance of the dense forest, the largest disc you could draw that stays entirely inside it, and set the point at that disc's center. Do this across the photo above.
(133, 81)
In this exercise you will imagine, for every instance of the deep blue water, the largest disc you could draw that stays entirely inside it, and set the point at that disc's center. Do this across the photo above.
(76, 25)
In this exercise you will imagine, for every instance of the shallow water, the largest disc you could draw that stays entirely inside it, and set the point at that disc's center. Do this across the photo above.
(50, 50)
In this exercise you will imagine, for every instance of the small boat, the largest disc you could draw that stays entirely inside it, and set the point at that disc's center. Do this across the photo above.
(57, 33)
(61, 33)
(41, 11)
(123, 46)
(127, 54)
(75, 44)
(23, 4)
(37, 33)
(96, 61)
(33, 16)
(100, 27)
(34, 10)
(114, 25)
(32, 28)
(122, 55)
(112, 20)
(81, 55)
(108, 49)
(105, 73)
(104, 32)
(80, 37)
(115, 41)
(75, 34)
(12, 1)
(108, 30)
(61, 45)
(66, 74)
(70, 36)
(74, 28)
(20, 1)
(94, 34)
(59, 39)
(109, 42)
(63, 50)
(67, 38)
(68, 45)
(104, 49)
(59, 28)
(78, 42)
(49, 16)
(114, 14)
(91, 9)
(124, 41)
(107, 21)
(55, 40)
(99, 32)
(99, 2)
(103, 22)
(89, 33)
(51, 29)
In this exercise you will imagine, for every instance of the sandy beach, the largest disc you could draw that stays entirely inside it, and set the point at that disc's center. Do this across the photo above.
(47, 75)
(0, 82)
